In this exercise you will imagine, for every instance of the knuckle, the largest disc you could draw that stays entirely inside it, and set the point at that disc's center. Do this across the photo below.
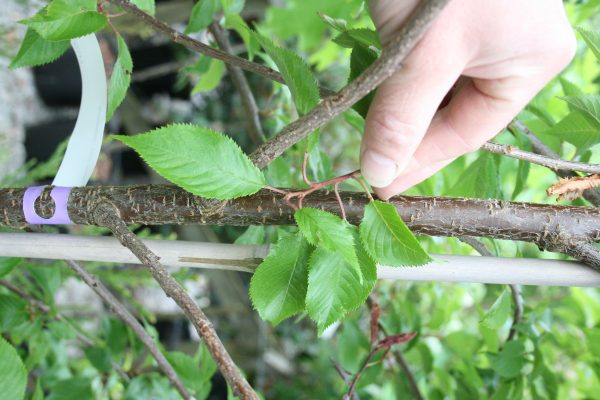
(388, 130)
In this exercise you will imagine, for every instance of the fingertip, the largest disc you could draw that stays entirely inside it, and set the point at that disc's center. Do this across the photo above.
(377, 169)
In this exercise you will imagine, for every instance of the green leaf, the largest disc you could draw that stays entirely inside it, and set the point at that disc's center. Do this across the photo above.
(569, 88)
(387, 238)
(296, 73)
(498, 313)
(211, 78)
(146, 5)
(13, 375)
(71, 389)
(202, 15)
(509, 362)
(592, 39)
(67, 19)
(358, 37)
(120, 78)
(193, 376)
(232, 6)
(589, 105)
(578, 129)
(329, 231)
(8, 264)
(480, 179)
(13, 312)
(199, 160)
(338, 24)
(255, 234)
(237, 23)
(278, 287)
(334, 287)
(523, 167)
(99, 357)
(36, 50)
(360, 59)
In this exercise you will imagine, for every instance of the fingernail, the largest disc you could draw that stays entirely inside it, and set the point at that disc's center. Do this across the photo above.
(378, 169)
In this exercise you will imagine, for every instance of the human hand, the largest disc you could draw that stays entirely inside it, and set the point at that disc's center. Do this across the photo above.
(491, 57)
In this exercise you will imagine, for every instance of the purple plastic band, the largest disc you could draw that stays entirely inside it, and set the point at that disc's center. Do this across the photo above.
(59, 194)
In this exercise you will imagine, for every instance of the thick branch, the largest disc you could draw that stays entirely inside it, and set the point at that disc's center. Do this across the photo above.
(551, 162)
(121, 311)
(249, 106)
(389, 62)
(591, 195)
(105, 214)
(436, 216)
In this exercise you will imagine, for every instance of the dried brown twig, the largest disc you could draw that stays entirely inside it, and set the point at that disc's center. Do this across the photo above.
(573, 187)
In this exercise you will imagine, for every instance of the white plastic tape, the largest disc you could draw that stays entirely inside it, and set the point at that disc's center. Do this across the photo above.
(85, 142)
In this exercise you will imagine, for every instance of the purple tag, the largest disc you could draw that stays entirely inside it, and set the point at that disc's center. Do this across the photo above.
(60, 195)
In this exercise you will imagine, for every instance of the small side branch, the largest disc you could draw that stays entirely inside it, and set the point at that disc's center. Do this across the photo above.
(255, 130)
(550, 162)
(591, 195)
(121, 311)
(389, 62)
(108, 216)
(585, 252)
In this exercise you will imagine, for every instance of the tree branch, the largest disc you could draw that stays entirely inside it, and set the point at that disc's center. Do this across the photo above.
(124, 315)
(389, 62)
(107, 215)
(550, 162)
(255, 130)
(591, 195)
(199, 47)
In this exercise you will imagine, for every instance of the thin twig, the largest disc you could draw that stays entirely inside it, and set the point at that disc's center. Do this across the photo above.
(59, 317)
(591, 195)
(107, 215)
(249, 106)
(202, 48)
(389, 62)
(585, 252)
(515, 290)
(121, 311)
(550, 162)
(366, 363)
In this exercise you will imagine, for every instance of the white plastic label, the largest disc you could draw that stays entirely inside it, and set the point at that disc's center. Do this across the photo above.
(86, 140)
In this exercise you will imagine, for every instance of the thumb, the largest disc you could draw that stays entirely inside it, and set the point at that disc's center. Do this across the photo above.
(403, 107)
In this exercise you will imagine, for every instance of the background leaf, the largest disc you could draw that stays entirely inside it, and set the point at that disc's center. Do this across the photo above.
(36, 50)
(120, 78)
(147, 5)
(13, 376)
(199, 160)
(202, 15)
(592, 39)
(480, 179)
(499, 312)
(387, 238)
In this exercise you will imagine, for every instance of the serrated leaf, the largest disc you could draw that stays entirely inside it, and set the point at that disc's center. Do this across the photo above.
(13, 312)
(278, 287)
(334, 287)
(255, 234)
(64, 19)
(189, 371)
(296, 73)
(480, 179)
(148, 6)
(569, 88)
(202, 15)
(199, 160)
(120, 78)
(210, 79)
(13, 375)
(387, 238)
(329, 231)
(592, 39)
(358, 37)
(587, 104)
(498, 313)
(36, 50)
(578, 129)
